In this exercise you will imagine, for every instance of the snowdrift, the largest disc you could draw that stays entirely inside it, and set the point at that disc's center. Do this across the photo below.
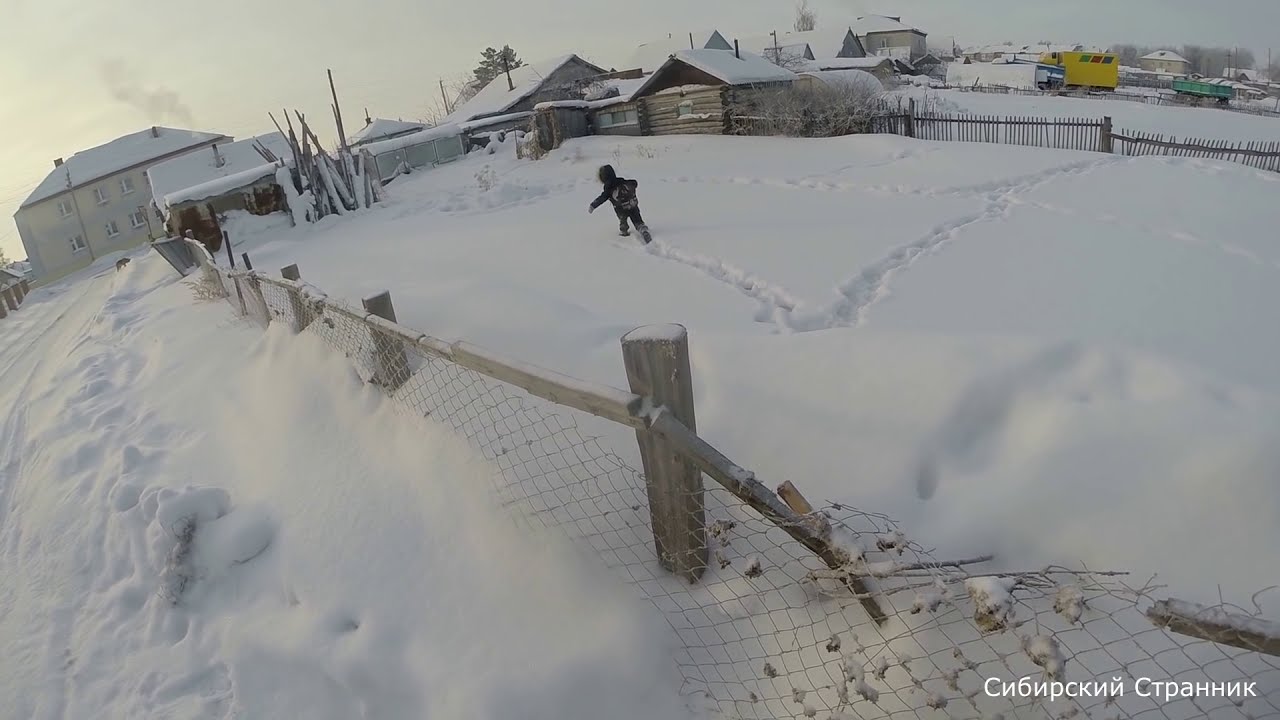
(210, 523)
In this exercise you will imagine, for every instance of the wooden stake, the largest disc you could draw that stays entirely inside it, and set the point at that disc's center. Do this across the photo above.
(337, 114)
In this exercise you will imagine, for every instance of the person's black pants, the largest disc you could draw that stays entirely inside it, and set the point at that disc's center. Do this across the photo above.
(625, 214)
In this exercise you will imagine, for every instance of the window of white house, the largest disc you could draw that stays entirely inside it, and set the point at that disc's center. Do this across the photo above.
(78, 244)
(126, 185)
(684, 108)
(112, 229)
(137, 220)
(64, 208)
(102, 196)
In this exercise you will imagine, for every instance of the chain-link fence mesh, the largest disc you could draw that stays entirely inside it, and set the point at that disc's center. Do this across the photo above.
(770, 630)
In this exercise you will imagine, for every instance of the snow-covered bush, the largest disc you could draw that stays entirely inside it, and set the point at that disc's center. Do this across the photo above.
(819, 109)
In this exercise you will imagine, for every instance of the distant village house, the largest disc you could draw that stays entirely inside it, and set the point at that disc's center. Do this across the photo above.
(96, 202)
(1165, 61)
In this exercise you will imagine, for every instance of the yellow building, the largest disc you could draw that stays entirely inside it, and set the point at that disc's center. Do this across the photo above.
(97, 202)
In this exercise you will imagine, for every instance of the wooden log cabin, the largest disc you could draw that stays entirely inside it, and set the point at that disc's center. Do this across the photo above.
(700, 91)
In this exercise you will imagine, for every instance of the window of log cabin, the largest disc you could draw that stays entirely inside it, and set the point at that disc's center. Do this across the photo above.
(617, 117)
(684, 109)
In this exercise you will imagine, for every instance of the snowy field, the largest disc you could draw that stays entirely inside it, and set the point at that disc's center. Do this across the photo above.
(347, 562)
(1180, 122)
(962, 336)
(1051, 356)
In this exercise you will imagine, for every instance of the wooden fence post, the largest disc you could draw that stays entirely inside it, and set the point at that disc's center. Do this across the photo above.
(390, 360)
(1104, 135)
(910, 122)
(226, 242)
(9, 299)
(18, 292)
(301, 318)
(657, 363)
(26, 287)
(3, 313)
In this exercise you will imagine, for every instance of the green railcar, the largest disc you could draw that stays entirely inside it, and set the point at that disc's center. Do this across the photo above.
(1199, 89)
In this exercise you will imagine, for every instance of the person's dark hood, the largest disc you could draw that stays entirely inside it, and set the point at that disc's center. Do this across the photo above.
(606, 173)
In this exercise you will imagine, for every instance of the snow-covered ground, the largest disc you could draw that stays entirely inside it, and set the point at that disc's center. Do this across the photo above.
(1181, 122)
(1052, 356)
(328, 557)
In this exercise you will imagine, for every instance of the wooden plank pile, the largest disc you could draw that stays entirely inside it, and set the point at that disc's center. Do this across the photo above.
(327, 183)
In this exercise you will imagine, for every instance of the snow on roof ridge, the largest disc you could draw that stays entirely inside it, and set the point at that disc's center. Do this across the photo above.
(115, 156)
(496, 97)
(1165, 55)
(732, 68)
(868, 24)
(383, 126)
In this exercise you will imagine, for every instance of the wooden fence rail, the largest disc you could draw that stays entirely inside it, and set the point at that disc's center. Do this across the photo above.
(1087, 134)
(1261, 155)
(1058, 134)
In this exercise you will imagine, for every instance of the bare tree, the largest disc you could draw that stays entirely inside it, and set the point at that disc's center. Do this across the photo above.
(458, 89)
(790, 57)
(806, 18)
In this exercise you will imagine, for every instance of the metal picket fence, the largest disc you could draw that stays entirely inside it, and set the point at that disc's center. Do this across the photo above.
(797, 611)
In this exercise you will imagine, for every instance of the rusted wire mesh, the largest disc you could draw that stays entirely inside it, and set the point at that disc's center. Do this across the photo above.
(770, 631)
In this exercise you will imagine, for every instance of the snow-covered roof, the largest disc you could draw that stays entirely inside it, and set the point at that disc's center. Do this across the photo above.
(857, 79)
(492, 120)
(864, 63)
(731, 68)
(497, 97)
(1167, 55)
(823, 43)
(416, 138)
(219, 185)
(382, 128)
(198, 168)
(116, 156)
(1249, 74)
(19, 269)
(650, 56)
(868, 24)
(1030, 48)
(626, 91)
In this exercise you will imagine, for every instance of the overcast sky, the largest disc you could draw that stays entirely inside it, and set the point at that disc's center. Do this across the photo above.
(74, 74)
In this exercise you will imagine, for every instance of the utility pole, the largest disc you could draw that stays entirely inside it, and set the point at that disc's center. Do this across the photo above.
(506, 67)
(445, 97)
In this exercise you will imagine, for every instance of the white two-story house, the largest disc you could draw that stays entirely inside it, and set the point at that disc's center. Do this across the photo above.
(97, 201)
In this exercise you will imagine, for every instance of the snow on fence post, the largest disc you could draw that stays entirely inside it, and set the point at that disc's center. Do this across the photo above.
(1104, 135)
(1216, 625)
(657, 363)
(301, 318)
(10, 299)
(389, 355)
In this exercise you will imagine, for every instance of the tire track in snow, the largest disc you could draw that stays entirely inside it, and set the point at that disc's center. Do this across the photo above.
(860, 293)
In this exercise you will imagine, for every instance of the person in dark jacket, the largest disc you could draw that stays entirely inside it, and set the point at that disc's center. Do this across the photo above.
(621, 192)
